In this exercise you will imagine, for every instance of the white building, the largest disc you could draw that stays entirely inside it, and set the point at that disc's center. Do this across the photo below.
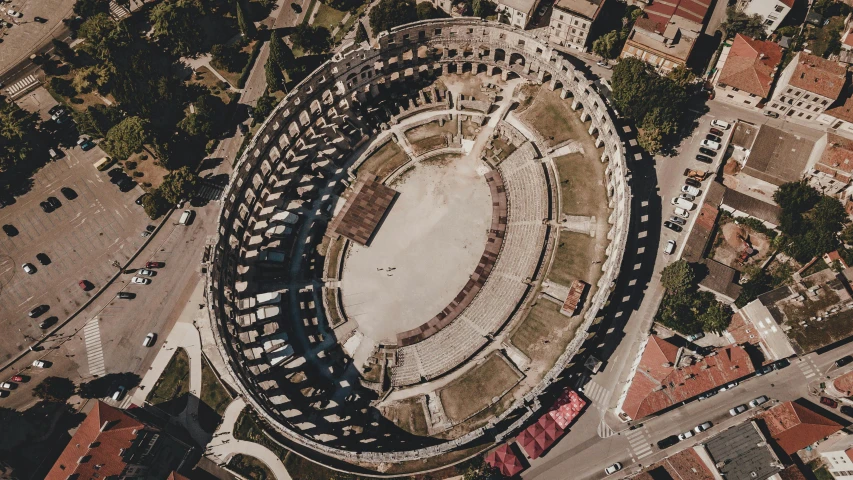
(838, 455)
(571, 22)
(807, 86)
(772, 11)
(519, 12)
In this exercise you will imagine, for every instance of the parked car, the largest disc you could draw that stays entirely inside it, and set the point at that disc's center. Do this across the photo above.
(68, 193)
(720, 124)
(765, 370)
(14, 13)
(47, 322)
(687, 196)
(710, 144)
(667, 442)
(85, 285)
(846, 410)
(737, 410)
(682, 212)
(87, 145)
(126, 295)
(707, 394)
(43, 258)
(669, 248)
(46, 207)
(714, 138)
(690, 190)
(844, 360)
(9, 230)
(682, 203)
(672, 226)
(704, 159)
(695, 336)
(613, 468)
(685, 435)
(147, 273)
(54, 202)
(717, 132)
(678, 220)
(119, 393)
(29, 268)
(702, 427)
(155, 264)
(37, 311)
(149, 340)
(140, 281)
(17, 378)
(40, 19)
(4, 393)
(7, 385)
(771, 114)
(729, 386)
(141, 198)
(707, 151)
(693, 182)
(829, 402)
(40, 364)
(757, 401)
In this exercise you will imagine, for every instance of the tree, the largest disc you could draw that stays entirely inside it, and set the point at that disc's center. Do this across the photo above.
(18, 139)
(608, 45)
(104, 36)
(426, 11)
(388, 14)
(757, 284)
(809, 221)
(89, 78)
(361, 33)
(62, 87)
(176, 26)
(716, 317)
(477, 8)
(227, 57)
(97, 120)
(178, 185)
(275, 79)
(682, 76)
(281, 53)
(796, 196)
(127, 137)
(54, 389)
(247, 27)
(650, 139)
(739, 22)
(677, 277)
(265, 105)
(311, 39)
(203, 122)
(89, 8)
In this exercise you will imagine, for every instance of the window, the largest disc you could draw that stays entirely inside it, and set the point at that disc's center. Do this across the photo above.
(779, 8)
(438, 31)
(806, 96)
(797, 93)
(752, 95)
(768, 22)
(799, 104)
(735, 89)
(808, 117)
(561, 16)
(823, 102)
(800, 114)
(774, 105)
(789, 91)
(730, 96)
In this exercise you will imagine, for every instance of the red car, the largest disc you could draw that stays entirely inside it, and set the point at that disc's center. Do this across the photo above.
(155, 265)
(85, 285)
(17, 378)
(828, 402)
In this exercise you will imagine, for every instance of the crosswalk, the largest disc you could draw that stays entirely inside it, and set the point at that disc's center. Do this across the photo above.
(807, 366)
(21, 86)
(209, 191)
(94, 349)
(117, 11)
(604, 429)
(640, 442)
(598, 395)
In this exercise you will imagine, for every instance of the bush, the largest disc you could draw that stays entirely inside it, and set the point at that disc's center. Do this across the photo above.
(130, 165)
(244, 75)
(138, 174)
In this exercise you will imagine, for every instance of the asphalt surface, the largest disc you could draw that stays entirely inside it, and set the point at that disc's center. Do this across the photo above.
(28, 36)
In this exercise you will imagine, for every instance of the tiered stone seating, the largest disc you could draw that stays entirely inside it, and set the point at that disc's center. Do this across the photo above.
(448, 348)
(492, 307)
(518, 257)
(407, 371)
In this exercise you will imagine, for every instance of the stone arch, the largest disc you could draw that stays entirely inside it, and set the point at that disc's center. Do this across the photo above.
(510, 75)
(557, 84)
(467, 67)
(496, 71)
(500, 55)
(516, 58)
(482, 68)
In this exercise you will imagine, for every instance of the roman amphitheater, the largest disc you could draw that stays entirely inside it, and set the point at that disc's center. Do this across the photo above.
(415, 244)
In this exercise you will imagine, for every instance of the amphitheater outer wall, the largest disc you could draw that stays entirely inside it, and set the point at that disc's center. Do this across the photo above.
(352, 73)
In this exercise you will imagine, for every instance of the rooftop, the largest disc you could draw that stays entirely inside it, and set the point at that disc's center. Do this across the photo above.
(721, 279)
(837, 157)
(750, 65)
(697, 242)
(586, 8)
(778, 157)
(744, 135)
(661, 380)
(684, 465)
(818, 75)
(752, 206)
(524, 6)
(795, 427)
(742, 453)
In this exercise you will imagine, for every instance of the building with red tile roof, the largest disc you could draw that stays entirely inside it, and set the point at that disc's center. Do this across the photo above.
(110, 443)
(539, 437)
(833, 156)
(684, 465)
(808, 86)
(665, 34)
(746, 76)
(795, 427)
(665, 377)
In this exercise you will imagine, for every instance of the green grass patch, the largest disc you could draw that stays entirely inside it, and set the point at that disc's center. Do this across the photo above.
(827, 37)
(408, 414)
(250, 467)
(170, 391)
(385, 160)
(581, 184)
(475, 390)
(328, 17)
(214, 396)
(544, 334)
(250, 429)
(549, 115)
(573, 259)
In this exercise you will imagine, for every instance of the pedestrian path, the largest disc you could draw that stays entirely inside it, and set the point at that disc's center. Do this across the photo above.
(640, 442)
(117, 11)
(94, 349)
(597, 394)
(604, 430)
(807, 366)
(21, 86)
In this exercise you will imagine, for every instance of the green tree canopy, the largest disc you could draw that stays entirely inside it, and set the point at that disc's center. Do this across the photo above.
(311, 38)
(275, 79)
(178, 185)
(809, 221)
(90, 8)
(176, 26)
(678, 276)
(265, 105)
(54, 389)
(18, 139)
(127, 137)
(388, 14)
(281, 53)
(247, 27)
(361, 33)
(104, 36)
(427, 11)
(204, 121)
(608, 45)
(155, 204)
(228, 56)
(97, 120)
(739, 22)
(716, 317)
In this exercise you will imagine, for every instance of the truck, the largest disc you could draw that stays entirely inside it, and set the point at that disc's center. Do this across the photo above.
(697, 174)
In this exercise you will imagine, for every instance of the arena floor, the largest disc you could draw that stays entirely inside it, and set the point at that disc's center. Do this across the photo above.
(424, 252)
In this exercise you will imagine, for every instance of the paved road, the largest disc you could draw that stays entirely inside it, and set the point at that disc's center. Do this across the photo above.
(27, 35)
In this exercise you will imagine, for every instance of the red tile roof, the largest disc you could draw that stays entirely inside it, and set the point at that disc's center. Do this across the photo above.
(844, 383)
(818, 75)
(837, 157)
(95, 449)
(505, 460)
(795, 427)
(751, 64)
(793, 472)
(685, 465)
(539, 437)
(693, 10)
(659, 384)
(843, 111)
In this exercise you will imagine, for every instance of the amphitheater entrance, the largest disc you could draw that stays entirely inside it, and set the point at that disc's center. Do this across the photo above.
(425, 250)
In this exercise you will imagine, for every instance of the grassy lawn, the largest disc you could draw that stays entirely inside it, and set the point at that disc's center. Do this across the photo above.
(250, 467)
(474, 390)
(582, 185)
(152, 172)
(824, 35)
(505, 148)
(429, 144)
(332, 313)
(203, 76)
(170, 391)
(385, 160)
(234, 77)
(549, 115)
(574, 257)
(544, 334)
(819, 470)
(409, 415)
(328, 17)
(430, 130)
(333, 253)
(249, 429)
(214, 395)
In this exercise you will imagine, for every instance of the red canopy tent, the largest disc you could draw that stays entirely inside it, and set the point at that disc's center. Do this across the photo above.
(566, 408)
(536, 438)
(505, 460)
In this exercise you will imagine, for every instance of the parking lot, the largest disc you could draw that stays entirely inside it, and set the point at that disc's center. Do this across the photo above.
(81, 238)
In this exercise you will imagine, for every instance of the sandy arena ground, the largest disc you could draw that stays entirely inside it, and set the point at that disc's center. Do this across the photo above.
(432, 239)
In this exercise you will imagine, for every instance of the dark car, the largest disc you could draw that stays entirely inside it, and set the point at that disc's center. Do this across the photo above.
(55, 109)
(782, 363)
(693, 182)
(667, 442)
(47, 322)
(707, 151)
(87, 145)
(40, 19)
(126, 295)
(68, 193)
(43, 259)
(703, 158)
(141, 198)
(714, 138)
(54, 202)
(847, 410)
(765, 370)
(828, 402)
(150, 228)
(38, 311)
(717, 132)
(155, 265)
(46, 207)
(672, 226)
(843, 361)
(9, 230)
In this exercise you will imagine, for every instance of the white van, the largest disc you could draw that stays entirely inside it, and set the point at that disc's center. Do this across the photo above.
(682, 212)
(669, 248)
(186, 217)
(711, 144)
(682, 203)
(720, 124)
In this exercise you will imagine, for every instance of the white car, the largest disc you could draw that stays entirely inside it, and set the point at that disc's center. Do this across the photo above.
(687, 196)
(14, 14)
(39, 364)
(140, 281)
(758, 401)
(149, 340)
(147, 273)
(29, 268)
(701, 428)
(685, 435)
(613, 468)
(690, 190)
(682, 203)
(669, 248)
(737, 410)
(6, 386)
(711, 144)
(119, 393)
(682, 212)
(720, 124)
